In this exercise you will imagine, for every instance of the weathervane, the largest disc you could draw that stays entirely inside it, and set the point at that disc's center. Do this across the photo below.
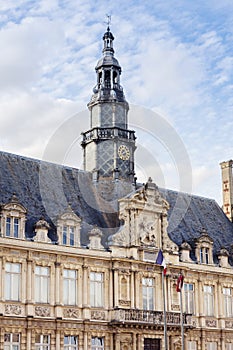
(108, 22)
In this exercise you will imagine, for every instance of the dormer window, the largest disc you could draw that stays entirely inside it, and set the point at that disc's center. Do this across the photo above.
(68, 235)
(68, 228)
(12, 227)
(204, 255)
(13, 217)
(204, 248)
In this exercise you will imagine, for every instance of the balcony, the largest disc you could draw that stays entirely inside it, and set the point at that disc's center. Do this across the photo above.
(129, 316)
(107, 133)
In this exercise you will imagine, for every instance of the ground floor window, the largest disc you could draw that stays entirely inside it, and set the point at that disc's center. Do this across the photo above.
(11, 341)
(151, 344)
(42, 342)
(211, 346)
(70, 342)
(97, 343)
(192, 345)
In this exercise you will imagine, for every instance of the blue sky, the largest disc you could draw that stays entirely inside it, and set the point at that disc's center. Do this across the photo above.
(176, 58)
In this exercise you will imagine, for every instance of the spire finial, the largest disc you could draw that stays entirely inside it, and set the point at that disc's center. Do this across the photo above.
(108, 22)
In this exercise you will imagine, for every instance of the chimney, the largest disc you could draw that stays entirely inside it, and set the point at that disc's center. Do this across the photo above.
(227, 188)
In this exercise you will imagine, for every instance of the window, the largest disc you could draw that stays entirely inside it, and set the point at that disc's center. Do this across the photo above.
(42, 284)
(12, 281)
(70, 342)
(152, 344)
(124, 289)
(228, 302)
(68, 235)
(8, 227)
(69, 287)
(97, 343)
(189, 298)
(11, 341)
(12, 227)
(229, 346)
(211, 346)
(96, 289)
(209, 300)
(42, 342)
(148, 293)
(192, 345)
(204, 255)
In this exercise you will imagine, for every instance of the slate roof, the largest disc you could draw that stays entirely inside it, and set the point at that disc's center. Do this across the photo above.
(189, 214)
(47, 189)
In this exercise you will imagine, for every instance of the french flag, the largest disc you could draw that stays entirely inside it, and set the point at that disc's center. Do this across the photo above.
(161, 261)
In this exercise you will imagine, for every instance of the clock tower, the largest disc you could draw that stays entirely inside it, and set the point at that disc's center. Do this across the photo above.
(109, 145)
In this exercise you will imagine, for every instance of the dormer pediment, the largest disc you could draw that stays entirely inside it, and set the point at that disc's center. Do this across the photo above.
(204, 248)
(14, 207)
(204, 239)
(68, 228)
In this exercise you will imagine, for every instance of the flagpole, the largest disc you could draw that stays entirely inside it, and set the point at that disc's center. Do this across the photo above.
(181, 321)
(164, 313)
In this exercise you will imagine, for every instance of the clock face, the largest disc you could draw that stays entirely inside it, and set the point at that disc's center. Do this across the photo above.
(124, 152)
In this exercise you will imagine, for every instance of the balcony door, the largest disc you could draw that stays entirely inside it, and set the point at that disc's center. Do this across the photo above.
(151, 344)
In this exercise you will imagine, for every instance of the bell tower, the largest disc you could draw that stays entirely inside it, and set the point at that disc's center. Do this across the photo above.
(109, 145)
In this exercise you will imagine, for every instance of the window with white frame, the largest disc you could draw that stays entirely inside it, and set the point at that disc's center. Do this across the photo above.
(97, 343)
(70, 342)
(69, 287)
(228, 302)
(192, 345)
(42, 280)
(148, 292)
(68, 233)
(211, 346)
(42, 342)
(12, 227)
(209, 300)
(11, 341)
(97, 289)
(189, 298)
(12, 281)
(204, 255)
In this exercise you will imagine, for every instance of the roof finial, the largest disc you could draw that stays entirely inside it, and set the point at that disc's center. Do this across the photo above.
(108, 22)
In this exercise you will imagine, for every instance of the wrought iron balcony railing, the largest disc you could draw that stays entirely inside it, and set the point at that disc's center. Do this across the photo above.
(151, 317)
(106, 133)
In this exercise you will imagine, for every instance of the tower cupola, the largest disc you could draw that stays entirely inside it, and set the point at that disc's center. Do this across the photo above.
(108, 72)
(109, 145)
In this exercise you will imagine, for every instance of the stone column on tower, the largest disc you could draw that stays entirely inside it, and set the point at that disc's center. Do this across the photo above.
(227, 188)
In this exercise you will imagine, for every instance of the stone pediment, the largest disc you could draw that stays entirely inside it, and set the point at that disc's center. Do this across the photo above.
(14, 206)
(144, 218)
(70, 217)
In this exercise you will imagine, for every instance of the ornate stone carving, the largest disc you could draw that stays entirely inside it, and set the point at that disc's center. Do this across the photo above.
(144, 214)
(95, 238)
(11, 309)
(71, 313)
(124, 302)
(97, 315)
(228, 324)
(211, 323)
(175, 307)
(42, 311)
